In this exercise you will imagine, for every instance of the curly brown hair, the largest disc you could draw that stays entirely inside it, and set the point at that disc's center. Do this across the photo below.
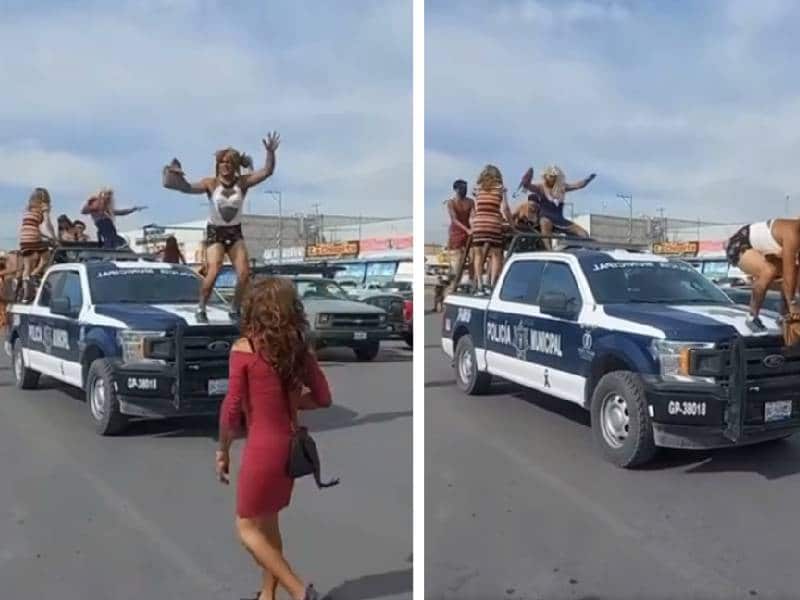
(274, 320)
(240, 160)
(490, 178)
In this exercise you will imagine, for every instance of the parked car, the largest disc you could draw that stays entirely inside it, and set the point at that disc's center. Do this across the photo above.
(741, 295)
(397, 312)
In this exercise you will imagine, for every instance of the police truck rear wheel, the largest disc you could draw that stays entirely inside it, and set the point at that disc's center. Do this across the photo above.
(102, 399)
(621, 425)
(25, 378)
(468, 377)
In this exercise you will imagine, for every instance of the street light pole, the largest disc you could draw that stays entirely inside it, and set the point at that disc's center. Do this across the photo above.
(279, 195)
(628, 199)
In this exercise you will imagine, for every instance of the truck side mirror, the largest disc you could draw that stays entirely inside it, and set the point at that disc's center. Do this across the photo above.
(558, 305)
(62, 306)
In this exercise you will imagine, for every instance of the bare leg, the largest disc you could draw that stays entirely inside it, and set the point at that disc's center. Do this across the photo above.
(763, 272)
(576, 230)
(241, 263)
(259, 537)
(216, 253)
(546, 226)
(495, 264)
(480, 257)
(456, 262)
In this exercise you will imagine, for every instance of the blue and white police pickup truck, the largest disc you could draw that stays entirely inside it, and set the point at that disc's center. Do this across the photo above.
(657, 353)
(124, 331)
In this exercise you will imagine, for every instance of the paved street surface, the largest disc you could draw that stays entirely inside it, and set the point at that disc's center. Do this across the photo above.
(142, 516)
(519, 505)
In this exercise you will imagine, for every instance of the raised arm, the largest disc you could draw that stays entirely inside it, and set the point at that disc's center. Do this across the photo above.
(271, 145)
(48, 223)
(173, 178)
(124, 212)
(527, 182)
(579, 185)
(319, 392)
(90, 206)
(506, 210)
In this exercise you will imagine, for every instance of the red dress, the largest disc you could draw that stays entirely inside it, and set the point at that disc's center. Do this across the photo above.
(256, 390)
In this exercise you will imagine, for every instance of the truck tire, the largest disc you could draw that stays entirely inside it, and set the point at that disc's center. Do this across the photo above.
(468, 378)
(408, 338)
(101, 398)
(368, 351)
(621, 425)
(24, 378)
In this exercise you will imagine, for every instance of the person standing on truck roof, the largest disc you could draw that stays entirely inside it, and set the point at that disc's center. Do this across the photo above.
(461, 209)
(491, 211)
(226, 192)
(103, 213)
(273, 375)
(768, 251)
(552, 191)
(33, 248)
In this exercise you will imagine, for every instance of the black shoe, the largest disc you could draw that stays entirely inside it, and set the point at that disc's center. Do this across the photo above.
(311, 593)
(200, 314)
(755, 324)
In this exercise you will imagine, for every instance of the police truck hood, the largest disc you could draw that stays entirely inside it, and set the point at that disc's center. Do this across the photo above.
(695, 322)
(160, 317)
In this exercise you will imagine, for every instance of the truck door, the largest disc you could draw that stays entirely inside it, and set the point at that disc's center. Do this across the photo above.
(40, 328)
(512, 310)
(66, 328)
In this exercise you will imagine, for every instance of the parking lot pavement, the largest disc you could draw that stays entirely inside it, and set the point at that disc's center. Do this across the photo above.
(142, 516)
(520, 505)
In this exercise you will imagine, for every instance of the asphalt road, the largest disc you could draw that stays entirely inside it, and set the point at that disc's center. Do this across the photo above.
(520, 505)
(142, 516)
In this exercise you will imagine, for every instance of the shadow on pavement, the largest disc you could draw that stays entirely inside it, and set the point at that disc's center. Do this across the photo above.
(772, 460)
(179, 427)
(436, 384)
(373, 586)
(341, 417)
(336, 358)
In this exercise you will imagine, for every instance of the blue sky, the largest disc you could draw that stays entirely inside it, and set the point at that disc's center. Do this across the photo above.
(102, 93)
(689, 106)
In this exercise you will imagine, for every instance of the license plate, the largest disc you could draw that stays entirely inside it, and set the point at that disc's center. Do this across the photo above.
(360, 335)
(217, 387)
(777, 411)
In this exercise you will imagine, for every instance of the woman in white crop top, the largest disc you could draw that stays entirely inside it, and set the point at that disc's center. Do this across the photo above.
(226, 192)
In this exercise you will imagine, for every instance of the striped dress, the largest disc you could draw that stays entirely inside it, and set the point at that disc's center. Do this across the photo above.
(487, 225)
(30, 237)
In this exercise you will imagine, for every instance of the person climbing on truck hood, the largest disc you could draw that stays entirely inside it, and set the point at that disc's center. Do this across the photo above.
(768, 251)
(552, 191)
(226, 192)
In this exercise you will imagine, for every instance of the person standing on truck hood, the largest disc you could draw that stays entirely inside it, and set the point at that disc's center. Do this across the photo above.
(491, 211)
(552, 191)
(461, 208)
(103, 213)
(226, 192)
(273, 375)
(768, 251)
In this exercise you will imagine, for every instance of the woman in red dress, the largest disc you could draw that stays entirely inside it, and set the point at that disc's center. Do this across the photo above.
(272, 375)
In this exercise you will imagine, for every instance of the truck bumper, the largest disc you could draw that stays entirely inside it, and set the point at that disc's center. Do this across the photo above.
(157, 393)
(349, 339)
(706, 429)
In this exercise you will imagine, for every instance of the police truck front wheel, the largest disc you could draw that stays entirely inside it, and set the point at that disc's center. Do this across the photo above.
(25, 378)
(620, 423)
(468, 377)
(101, 397)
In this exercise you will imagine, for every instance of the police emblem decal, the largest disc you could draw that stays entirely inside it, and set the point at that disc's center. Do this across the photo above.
(521, 341)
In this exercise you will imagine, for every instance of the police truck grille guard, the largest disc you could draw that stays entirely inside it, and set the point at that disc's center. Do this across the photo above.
(750, 372)
(194, 351)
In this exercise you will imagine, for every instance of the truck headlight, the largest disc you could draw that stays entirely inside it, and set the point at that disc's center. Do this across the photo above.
(133, 345)
(323, 320)
(673, 358)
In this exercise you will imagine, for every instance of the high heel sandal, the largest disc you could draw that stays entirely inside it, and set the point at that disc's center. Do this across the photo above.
(311, 593)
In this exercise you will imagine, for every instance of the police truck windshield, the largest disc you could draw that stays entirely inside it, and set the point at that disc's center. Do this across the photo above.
(144, 285)
(672, 282)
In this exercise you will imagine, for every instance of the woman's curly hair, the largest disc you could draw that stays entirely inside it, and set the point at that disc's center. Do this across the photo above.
(274, 320)
(490, 178)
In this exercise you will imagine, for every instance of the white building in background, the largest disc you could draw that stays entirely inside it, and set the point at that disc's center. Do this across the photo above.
(271, 238)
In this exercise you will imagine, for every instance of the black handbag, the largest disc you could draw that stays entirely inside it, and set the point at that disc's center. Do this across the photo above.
(304, 458)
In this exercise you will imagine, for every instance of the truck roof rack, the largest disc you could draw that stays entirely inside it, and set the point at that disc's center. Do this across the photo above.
(532, 242)
(323, 268)
(79, 252)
